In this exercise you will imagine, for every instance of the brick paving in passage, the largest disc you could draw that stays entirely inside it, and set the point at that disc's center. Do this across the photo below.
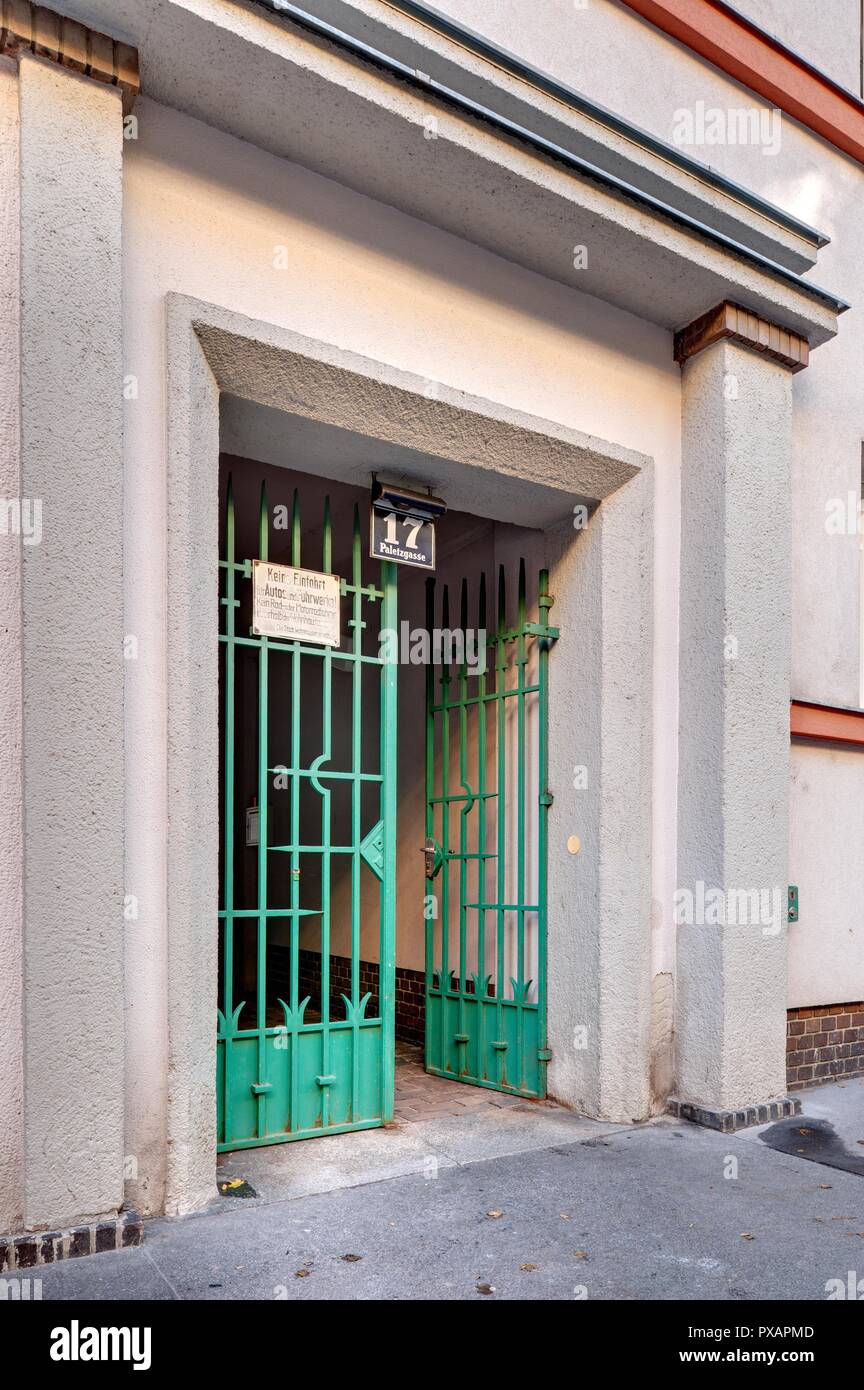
(423, 1097)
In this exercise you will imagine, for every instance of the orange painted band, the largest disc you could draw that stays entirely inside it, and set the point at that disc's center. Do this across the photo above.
(826, 724)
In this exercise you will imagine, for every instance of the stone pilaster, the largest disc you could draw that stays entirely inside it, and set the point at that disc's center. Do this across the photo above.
(734, 710)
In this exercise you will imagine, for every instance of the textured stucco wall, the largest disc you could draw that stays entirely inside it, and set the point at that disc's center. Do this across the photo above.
(11, 888)
(600, 913)
(215, 218)
(71, 459)
(828, 35)
(826, 861)
(603, 49)
(734, 727)
(188, 985)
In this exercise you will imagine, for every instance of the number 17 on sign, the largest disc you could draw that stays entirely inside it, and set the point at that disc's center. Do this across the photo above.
(403, 538)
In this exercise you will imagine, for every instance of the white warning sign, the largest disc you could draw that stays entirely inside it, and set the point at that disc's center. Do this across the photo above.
(296, 605)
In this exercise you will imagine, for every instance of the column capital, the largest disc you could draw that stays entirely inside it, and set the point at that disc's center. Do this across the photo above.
(730, 321)
(29, 28)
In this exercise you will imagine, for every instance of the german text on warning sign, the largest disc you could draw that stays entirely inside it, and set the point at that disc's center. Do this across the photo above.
(296, 605)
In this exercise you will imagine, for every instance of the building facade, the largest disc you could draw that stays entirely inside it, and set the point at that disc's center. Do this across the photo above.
(601, 842)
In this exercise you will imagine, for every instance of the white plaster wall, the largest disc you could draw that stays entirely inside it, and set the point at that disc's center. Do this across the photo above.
(11, 899)
(828, 35)
(826, 861)
(603, 49)
(211, 217)
(568, 35)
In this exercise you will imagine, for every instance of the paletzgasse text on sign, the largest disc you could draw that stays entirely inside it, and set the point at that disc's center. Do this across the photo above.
(296, 605)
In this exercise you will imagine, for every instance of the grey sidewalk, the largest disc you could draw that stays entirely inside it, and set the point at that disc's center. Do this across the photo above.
(640, 1213)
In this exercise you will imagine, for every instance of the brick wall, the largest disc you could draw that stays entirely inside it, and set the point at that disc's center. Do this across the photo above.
(410, 1006)
(824, 1043)
(410, 988)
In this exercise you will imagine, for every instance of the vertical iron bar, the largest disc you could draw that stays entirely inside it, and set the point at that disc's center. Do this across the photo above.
(445, 835)
(500, 808)
(481, 842)
(327, 542)
(544, 604)
(430, 819)
(228, 813)
(521, 659)
(326, 858)
(295, 529)
(356, 768)
(294, 919)
(389, 773)
(463, 826)
(263, 765)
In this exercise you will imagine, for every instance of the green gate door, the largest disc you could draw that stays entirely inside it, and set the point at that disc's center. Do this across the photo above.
(486, 811)
(308, 831)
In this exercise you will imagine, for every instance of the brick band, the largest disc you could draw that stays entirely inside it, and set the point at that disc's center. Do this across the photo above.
(824, 1043)
(826, 723)
(730, 321)
(29, 28)
(730, 1121)
(36, 1248)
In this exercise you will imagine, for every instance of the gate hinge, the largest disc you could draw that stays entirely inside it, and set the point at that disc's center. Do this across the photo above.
(544, 1054)
(541, 630)
(546, 798)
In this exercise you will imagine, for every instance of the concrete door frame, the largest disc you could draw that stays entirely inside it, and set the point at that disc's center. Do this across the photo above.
(493, 460)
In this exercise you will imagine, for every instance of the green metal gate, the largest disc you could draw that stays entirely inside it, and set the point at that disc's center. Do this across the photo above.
(295, 1057)
(487, 804)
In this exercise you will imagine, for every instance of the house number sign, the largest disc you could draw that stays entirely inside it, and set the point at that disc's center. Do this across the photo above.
(406, 539)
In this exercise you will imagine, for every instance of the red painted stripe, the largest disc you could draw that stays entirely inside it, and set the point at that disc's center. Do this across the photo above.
(741, 49)
(826, 723)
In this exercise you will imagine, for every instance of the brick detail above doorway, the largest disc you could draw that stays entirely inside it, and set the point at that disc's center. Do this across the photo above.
(29, 28)
(824, 1043)
(739, 325)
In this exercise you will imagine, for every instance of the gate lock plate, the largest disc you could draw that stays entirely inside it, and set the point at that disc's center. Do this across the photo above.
(433, 857)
